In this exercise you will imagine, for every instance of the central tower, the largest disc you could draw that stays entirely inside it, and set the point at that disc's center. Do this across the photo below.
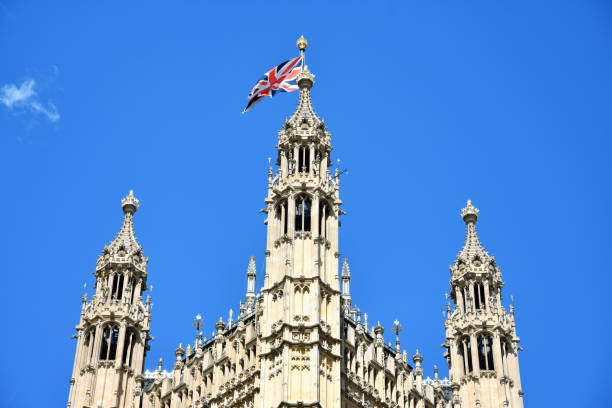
(300, 317)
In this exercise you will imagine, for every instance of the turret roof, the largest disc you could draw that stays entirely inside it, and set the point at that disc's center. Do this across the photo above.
(472, 246)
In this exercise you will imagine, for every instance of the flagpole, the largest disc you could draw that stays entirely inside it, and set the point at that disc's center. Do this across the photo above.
(302, 43)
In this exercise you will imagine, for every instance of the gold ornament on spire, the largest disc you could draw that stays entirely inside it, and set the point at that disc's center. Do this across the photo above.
(302, 43)
(469, 213)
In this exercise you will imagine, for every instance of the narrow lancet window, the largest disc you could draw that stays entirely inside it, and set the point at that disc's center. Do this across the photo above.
(302, 213)
(304, 159)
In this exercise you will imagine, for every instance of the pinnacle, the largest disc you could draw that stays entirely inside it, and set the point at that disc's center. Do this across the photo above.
(345, 268)
(472, 247)
(304, 111)
(125, 243)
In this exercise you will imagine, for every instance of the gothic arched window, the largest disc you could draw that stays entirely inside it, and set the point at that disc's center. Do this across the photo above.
(110, 338)
(302, 213)
(479, 295)
(89, 336)
(120, 287)
(128, 346)
(485, 352)
(304, 159)
(280, 216)
(467, 354)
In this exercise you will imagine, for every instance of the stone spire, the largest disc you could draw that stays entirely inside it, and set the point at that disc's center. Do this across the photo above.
(125, 247)
(472, 247)
(305, 114)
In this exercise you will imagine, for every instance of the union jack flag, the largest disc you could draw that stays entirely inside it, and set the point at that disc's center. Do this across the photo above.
(281, 78)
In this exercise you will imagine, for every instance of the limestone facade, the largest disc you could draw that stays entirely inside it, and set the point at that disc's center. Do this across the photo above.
(300, 342)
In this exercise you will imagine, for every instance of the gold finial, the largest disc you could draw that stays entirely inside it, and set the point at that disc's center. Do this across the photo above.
(302, 43)
(130, 203)
(252, 258)
(469, 213)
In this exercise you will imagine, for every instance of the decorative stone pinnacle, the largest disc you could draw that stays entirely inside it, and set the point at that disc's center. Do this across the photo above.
(417, 358)
(179, 352)
(302, 43)
(252, 270)
(469, 213)
(220, 326)
(130, 203)
(345, 268)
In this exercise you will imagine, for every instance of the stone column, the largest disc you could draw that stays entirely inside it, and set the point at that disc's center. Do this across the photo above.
(456, 363)
(471, 288)
(120, 346)
(466, 365)
(291, 215)
(311, 159)
(283, 164)
(76, 366)
(97, 344)
(460, 300)
(314, 216)
(497, 356)
(474, 352)
(516, 377)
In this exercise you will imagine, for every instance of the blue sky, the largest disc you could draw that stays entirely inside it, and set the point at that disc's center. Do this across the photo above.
(429, 103)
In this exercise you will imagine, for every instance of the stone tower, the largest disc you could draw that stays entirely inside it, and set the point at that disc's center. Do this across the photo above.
(113, 330)
(300, 316)
(481, 341)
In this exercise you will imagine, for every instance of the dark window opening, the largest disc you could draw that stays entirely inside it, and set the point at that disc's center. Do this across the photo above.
(114, 340)
(479, 297)
(115, 282)
(304, 159)
(469, 356)
(110, 339)
(120, 287)
(302, 213)
(485, 353)
(482, 295)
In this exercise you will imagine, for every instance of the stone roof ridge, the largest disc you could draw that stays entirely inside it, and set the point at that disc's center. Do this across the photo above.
(304, 113)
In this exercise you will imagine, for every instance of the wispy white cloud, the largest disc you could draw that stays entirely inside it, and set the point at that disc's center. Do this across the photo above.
(24, 97)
